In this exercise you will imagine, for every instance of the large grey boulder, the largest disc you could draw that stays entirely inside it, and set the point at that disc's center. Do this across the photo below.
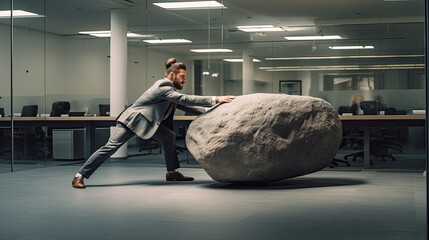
(265, 137)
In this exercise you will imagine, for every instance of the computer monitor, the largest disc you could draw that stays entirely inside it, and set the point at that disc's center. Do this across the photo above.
(104, 109)
(2, 112)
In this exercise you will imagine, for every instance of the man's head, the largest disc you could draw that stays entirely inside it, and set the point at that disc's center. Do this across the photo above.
(176, 73)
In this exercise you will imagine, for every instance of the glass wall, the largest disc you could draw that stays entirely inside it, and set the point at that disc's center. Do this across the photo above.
(23, 83)
(54, 59)
(5, 90)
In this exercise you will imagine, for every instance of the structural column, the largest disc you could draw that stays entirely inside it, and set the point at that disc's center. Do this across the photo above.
(118, 68)
(248, 85)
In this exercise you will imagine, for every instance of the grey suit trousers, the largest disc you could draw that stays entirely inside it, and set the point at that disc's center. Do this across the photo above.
(121, 135)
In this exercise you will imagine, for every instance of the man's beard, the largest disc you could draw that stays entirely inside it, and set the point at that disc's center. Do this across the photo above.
(177, 84)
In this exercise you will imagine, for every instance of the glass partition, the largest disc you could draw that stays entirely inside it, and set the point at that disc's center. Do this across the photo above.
(28, 86)
(5, 90)
(55, 59)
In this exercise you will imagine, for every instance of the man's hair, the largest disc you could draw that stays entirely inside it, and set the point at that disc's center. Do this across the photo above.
(171, 65)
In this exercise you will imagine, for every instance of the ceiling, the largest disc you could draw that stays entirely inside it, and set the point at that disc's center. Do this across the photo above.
(392, 27)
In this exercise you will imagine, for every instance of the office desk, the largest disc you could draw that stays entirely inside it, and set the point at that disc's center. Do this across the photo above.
(368, 121)
(365, 121)
(89, 123)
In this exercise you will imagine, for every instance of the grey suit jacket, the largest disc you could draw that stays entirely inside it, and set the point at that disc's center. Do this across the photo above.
(145, 115)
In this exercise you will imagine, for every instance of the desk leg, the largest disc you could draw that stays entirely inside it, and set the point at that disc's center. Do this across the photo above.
(366, 146)
(89, 136)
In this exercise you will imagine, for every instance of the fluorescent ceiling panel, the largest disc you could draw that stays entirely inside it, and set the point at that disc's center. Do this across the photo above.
(18, 14)
(342, 57)
(350, 47)
(190, 5)
(342, 67)
(239, 60)
(160, 41)
(211, 50)
(260, 28)
(305, 38)
(108, 34)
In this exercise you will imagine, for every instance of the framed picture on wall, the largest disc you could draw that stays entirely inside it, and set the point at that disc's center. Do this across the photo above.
(291, 87)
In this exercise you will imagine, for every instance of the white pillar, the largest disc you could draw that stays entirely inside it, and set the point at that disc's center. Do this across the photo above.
(118, 68)
(248, 85)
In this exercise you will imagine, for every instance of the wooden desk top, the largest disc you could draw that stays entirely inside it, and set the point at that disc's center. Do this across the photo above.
(190, 118)
(88, 118)
(384, 117)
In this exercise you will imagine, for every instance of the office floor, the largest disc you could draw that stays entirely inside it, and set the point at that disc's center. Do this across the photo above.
(129, 199)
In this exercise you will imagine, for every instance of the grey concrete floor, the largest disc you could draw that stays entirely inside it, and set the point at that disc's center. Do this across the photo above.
(130, 199)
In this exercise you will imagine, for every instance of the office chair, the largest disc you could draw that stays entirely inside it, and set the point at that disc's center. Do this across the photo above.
(344, 109)
(378, 150)
(370, 107)
(104, 109)
(24, 136)
(60, 107)
(148, 144)
(335, 162)
(29, 111)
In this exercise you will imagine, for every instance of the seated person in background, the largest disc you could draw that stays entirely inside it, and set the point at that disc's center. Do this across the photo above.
(356, 100)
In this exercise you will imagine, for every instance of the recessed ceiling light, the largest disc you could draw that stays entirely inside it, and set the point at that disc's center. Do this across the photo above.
(294, 29)
(107, 33)
(341, 57)
(239, 60)
(190, 5)
(327, 37)
(350, 47)
(18, 14)
(342, 67)
(260, 28)
(211, 50)
(158, 41)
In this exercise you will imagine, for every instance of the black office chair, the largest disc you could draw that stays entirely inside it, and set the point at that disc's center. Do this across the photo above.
(370, 107)
(3, 137)
(391, 135)
(149, 145)
(104, 109)
(24, 136)
(29, 111)
(335, 162)
(60, 107)
(344, 109)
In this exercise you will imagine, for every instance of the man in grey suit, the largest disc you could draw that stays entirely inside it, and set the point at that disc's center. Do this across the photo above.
(151, 116)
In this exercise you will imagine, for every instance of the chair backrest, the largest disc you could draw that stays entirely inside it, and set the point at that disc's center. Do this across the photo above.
(344, 109)
(60, 107)
(104, 109)
(370, 107)
(29, 111)
(390, 111)
(2, 112)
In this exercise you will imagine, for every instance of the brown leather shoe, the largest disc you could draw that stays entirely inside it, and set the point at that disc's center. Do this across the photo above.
(177, 176)
(78, 183)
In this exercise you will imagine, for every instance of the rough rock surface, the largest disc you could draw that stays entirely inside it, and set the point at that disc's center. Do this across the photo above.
(265, 137)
